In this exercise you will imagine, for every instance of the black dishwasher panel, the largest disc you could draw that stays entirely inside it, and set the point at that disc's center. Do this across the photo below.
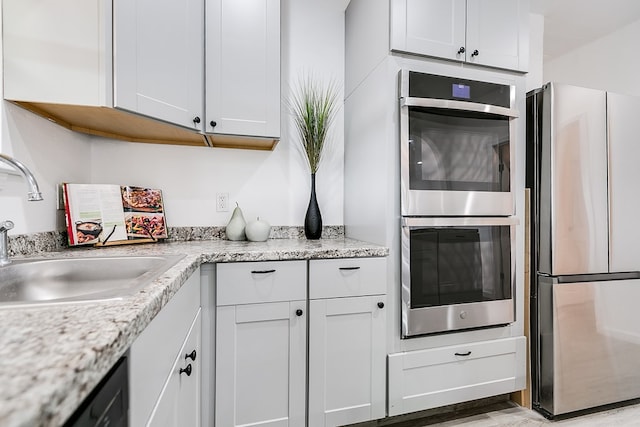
(108, 403)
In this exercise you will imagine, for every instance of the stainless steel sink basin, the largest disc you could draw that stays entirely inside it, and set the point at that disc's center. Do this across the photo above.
(64, 280)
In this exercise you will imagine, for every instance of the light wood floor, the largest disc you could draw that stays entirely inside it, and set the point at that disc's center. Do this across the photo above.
(508, 414)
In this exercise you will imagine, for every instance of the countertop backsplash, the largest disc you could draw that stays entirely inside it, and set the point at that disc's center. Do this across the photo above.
(31, 244)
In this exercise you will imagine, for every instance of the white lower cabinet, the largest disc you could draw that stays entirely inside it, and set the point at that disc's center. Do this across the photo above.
(164, 364)
(347, 341)
(425, 379)
(260, 364)
(262, 329)
(346, 360)
(179, 402)
(261, 346)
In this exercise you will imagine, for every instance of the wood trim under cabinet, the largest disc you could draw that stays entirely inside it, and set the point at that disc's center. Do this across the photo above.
(113, 123)
(124, 126)
(246, 142)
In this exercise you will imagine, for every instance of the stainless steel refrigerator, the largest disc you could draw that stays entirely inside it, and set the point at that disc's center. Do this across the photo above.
(583, 168)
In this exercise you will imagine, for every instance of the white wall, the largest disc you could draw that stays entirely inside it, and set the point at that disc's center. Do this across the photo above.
(609, 63)
(54, 154)
(534, 78)
(273, 185)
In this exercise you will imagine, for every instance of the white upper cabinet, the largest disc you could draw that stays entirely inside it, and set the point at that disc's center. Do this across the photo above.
(57, 51)
(498, 33)
(429, 27)
(137, 70)
(159, 59)
(67, 60)
(243, 67)
(492, 33)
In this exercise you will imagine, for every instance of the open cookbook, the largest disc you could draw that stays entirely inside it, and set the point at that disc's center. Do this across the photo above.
(112, 214)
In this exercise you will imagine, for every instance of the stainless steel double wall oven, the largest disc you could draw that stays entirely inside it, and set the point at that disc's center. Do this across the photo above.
(457, 203)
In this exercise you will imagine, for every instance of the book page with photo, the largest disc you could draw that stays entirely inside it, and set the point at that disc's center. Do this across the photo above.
(103, 213)
(144, 212)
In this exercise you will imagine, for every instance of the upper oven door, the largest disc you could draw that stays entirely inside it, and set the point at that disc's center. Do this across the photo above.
(456, 155)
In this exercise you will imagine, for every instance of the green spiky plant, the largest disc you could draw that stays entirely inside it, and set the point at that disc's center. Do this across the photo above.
(314, 109)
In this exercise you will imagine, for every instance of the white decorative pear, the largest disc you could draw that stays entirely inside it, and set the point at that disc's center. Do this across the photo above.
(236, 226)
(257, 231)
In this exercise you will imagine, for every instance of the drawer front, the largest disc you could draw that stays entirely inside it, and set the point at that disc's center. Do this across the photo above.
(427, 379)
(257, 282)
(347, 277)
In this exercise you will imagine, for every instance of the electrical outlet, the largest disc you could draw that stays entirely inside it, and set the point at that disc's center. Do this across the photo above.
(222, 202)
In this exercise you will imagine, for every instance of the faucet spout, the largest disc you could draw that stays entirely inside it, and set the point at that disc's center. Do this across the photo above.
(4, 243)
(34, 191)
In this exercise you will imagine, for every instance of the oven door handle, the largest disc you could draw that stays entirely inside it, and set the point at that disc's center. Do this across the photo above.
(448, 104)
(413, 221)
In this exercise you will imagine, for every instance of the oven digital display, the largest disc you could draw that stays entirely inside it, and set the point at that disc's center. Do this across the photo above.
(461, 91)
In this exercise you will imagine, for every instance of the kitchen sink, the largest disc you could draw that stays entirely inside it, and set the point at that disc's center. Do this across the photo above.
(66, 280)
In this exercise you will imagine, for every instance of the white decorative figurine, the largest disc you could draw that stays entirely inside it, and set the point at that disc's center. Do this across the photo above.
(258, 230)
(235, 229)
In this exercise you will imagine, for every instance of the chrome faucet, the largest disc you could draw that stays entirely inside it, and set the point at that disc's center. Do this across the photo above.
(4, 242)
(33, 195)
(34, 192)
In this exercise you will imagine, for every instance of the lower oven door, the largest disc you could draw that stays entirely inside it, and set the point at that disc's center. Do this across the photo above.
(457, 273)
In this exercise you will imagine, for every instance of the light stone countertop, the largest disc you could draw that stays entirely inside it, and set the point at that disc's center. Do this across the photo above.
(51, 357)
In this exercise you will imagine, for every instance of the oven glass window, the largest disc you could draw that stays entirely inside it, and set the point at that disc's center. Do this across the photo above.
(455, 265)
(458, 152)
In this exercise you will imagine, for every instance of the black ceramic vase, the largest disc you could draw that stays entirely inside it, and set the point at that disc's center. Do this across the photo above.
(313, 219)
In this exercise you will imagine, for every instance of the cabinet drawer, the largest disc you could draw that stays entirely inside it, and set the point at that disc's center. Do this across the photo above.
(427, 379)
(256, 282)
(334, 278)
(153, 353)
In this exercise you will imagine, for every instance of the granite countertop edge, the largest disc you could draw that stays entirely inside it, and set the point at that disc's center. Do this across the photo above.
(51, 357)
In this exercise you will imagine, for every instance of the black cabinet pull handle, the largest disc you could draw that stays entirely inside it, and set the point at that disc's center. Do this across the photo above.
(191, 355)
(349, 268)
(186, 370)
(213, 123)
(196, 120)
(298, 312)
(461, 50)
(475, 53)
(262, 271)
(468, 353)
(380, 304)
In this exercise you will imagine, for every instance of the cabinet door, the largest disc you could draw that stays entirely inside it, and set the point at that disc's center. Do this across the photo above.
(57, 52)
(243, 67)
(347, 350)
(153, 354)
(497, 33)
(429, 27)
(158, 59)
(179, 402)
(260, 364)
